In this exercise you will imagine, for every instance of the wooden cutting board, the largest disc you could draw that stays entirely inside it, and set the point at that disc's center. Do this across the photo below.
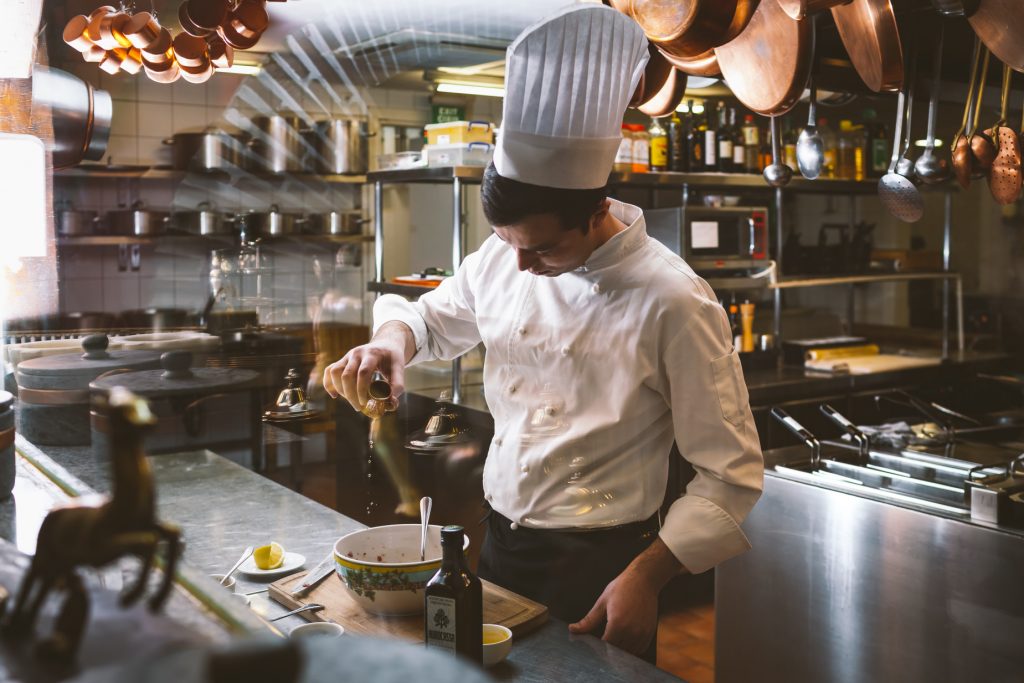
(521, 615)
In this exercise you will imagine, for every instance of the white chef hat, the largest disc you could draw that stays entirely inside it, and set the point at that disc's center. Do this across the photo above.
(568, 81)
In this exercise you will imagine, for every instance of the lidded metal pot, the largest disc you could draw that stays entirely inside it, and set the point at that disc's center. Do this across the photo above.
(53, 391)
(195, 407)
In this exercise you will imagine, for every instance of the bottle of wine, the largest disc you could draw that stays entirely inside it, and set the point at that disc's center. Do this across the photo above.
(724, 140)
(739, 149)
(710, 140)
(751, 144)
(678, 156)
(695, 139)
(454, 616)
(659, 146)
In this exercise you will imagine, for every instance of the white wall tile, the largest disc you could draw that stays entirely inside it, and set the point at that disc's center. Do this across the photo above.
(120, 85)
(155, 119)
(189, 117)
(151, 91)
(156, 292)
(123, 149)
(80, 262)
(124, 119)
(153, 152)
(120, 294)
(221, 89)
(83, 294)
(184, 92)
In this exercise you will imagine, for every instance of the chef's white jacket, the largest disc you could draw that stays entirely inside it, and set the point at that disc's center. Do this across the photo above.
(589, 377)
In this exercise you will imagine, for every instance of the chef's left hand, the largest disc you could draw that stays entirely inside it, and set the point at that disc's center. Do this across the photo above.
(628, 607)
(628, 610)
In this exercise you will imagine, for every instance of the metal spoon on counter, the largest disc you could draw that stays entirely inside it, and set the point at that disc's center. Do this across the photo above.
(426, 503)
(311, 607)
(245, 556)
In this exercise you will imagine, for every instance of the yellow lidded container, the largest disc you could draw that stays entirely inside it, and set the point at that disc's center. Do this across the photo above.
(459, 132)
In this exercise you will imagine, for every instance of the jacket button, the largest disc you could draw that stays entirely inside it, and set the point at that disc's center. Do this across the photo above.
(497, 441)
(525, 469)
(566, 350)
(521, 331)
(596, 288)
(513, 526)
(512, 388)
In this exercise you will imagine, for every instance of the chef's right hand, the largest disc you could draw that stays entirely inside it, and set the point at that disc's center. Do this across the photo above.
(387, 352)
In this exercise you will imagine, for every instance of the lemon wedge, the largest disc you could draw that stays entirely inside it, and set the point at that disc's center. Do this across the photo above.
(268, 556)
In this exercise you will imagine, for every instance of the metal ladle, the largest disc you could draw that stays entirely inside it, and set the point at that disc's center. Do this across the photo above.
(897, 193)
(810, 149)
(776, 174)
(904, 166)
(931, 168)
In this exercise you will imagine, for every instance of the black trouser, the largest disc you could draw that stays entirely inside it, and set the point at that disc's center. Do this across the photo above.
(564, 570)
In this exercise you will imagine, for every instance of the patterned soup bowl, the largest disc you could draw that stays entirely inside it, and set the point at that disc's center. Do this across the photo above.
(381, 566)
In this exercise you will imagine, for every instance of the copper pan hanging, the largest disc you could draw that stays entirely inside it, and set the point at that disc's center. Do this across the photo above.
(705, 64)
(869, 33)
(668, 98)
(653, 79)
(1000, 25)
(767, 65)
(685, 27)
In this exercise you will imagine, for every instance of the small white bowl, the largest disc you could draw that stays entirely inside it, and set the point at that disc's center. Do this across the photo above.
(228, 585)
(498, 650)
(318, 629)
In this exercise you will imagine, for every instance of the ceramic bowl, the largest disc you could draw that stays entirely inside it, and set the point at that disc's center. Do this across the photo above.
(497, 650)
(381, 567)
(318, 629)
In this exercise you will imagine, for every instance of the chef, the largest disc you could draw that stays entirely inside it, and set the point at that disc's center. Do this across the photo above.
(602, 348)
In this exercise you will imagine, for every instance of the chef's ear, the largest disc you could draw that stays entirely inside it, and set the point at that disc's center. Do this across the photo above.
(600, 214)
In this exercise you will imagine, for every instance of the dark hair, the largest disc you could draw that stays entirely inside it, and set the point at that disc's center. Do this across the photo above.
(507, 201)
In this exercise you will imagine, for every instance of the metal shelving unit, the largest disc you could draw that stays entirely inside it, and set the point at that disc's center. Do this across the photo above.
(117, 240)
(459, 176)
(159, 173)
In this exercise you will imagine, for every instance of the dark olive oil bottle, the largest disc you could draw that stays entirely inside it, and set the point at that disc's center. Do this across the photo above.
(454, 616)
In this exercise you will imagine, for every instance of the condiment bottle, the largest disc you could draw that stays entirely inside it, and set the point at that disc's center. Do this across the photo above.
(624, 156)
(747, 323)
(641, 149)
(752, 144)
(659, 146)
(830, 145)
(678, 157)
(454, 615)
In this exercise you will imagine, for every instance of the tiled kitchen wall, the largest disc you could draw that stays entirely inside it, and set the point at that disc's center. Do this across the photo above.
(174, 272)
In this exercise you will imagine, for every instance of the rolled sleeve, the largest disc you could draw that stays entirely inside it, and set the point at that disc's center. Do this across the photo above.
(715, 432)
(393, 308)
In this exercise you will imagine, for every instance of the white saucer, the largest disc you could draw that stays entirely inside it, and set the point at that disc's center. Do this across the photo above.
(292, 563)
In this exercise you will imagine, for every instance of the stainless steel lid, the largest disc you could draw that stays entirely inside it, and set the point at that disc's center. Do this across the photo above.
(6, 401)
(178, 378)
(76, 370)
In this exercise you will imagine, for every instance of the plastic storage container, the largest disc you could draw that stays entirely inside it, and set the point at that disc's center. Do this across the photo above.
(469, 154)
(459, 132)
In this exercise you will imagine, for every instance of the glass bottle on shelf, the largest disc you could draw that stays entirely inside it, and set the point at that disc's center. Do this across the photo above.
(453, 616)
(658, 145)
(789, 138)
(751, 145)
(877, 145)
(830, 148)
(678, 156)
(724, 140)
(641, 148)
(695, 139)
(624, 155)
(739, 143)
(710, 140)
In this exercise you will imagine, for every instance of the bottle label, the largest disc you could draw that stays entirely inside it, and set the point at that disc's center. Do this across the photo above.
(659, 152)
(879, 156)
(440, 618)
(710, 148)
(739, 155)
(725, 150)
(751, 138)
(625, 153)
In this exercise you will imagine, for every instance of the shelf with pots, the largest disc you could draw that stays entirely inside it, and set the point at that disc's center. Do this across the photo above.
(117, 240)
(95, 171)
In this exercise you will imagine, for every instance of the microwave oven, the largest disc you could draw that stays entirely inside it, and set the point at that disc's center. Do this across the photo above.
(712, 237)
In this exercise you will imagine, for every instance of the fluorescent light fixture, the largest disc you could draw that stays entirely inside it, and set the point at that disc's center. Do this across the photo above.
(459, 88)
(23, 195)
(19, 25)
(684, 107)
(924, 143)
(242, 69)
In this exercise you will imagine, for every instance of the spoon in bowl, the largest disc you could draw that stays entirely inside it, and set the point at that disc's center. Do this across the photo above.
(245, 556)
(426, 503)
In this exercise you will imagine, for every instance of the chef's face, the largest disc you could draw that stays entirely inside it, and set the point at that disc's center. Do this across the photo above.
(545, 247)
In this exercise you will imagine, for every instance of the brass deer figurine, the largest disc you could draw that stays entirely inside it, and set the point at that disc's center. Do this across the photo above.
(94, 533)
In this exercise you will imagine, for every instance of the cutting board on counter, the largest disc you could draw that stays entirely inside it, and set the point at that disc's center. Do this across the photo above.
(865, 365)
(501, 606)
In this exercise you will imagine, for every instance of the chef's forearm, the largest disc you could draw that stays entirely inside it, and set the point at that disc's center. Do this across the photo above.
(399, 337)
(655, 566)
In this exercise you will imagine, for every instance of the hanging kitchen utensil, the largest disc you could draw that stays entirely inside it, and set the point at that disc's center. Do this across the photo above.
(777, 174)
(766, 66)
(653, 78)
(899, 196)
(1000, 25)
(685, 27)
(869, 33)
(665, 101)
(960, 150)
(1004, 180)
(983, 149)
(705, 64)
(930, 167)
(810, 149)
(905, 167)
(955, 8)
